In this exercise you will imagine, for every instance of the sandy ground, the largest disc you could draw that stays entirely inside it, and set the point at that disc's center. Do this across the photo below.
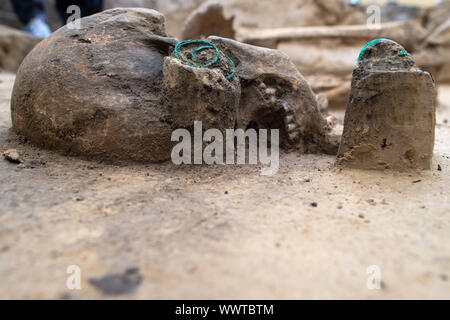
(222, 231)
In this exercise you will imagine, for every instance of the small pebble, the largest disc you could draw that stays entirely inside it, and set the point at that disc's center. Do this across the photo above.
(12, 155)
(118, 284)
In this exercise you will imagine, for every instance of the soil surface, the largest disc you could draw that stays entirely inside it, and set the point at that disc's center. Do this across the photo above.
(161, 231)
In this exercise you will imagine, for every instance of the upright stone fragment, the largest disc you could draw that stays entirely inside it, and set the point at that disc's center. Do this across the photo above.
(390, 117)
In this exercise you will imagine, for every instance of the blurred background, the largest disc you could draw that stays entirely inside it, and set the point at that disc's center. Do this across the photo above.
(322, 37)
